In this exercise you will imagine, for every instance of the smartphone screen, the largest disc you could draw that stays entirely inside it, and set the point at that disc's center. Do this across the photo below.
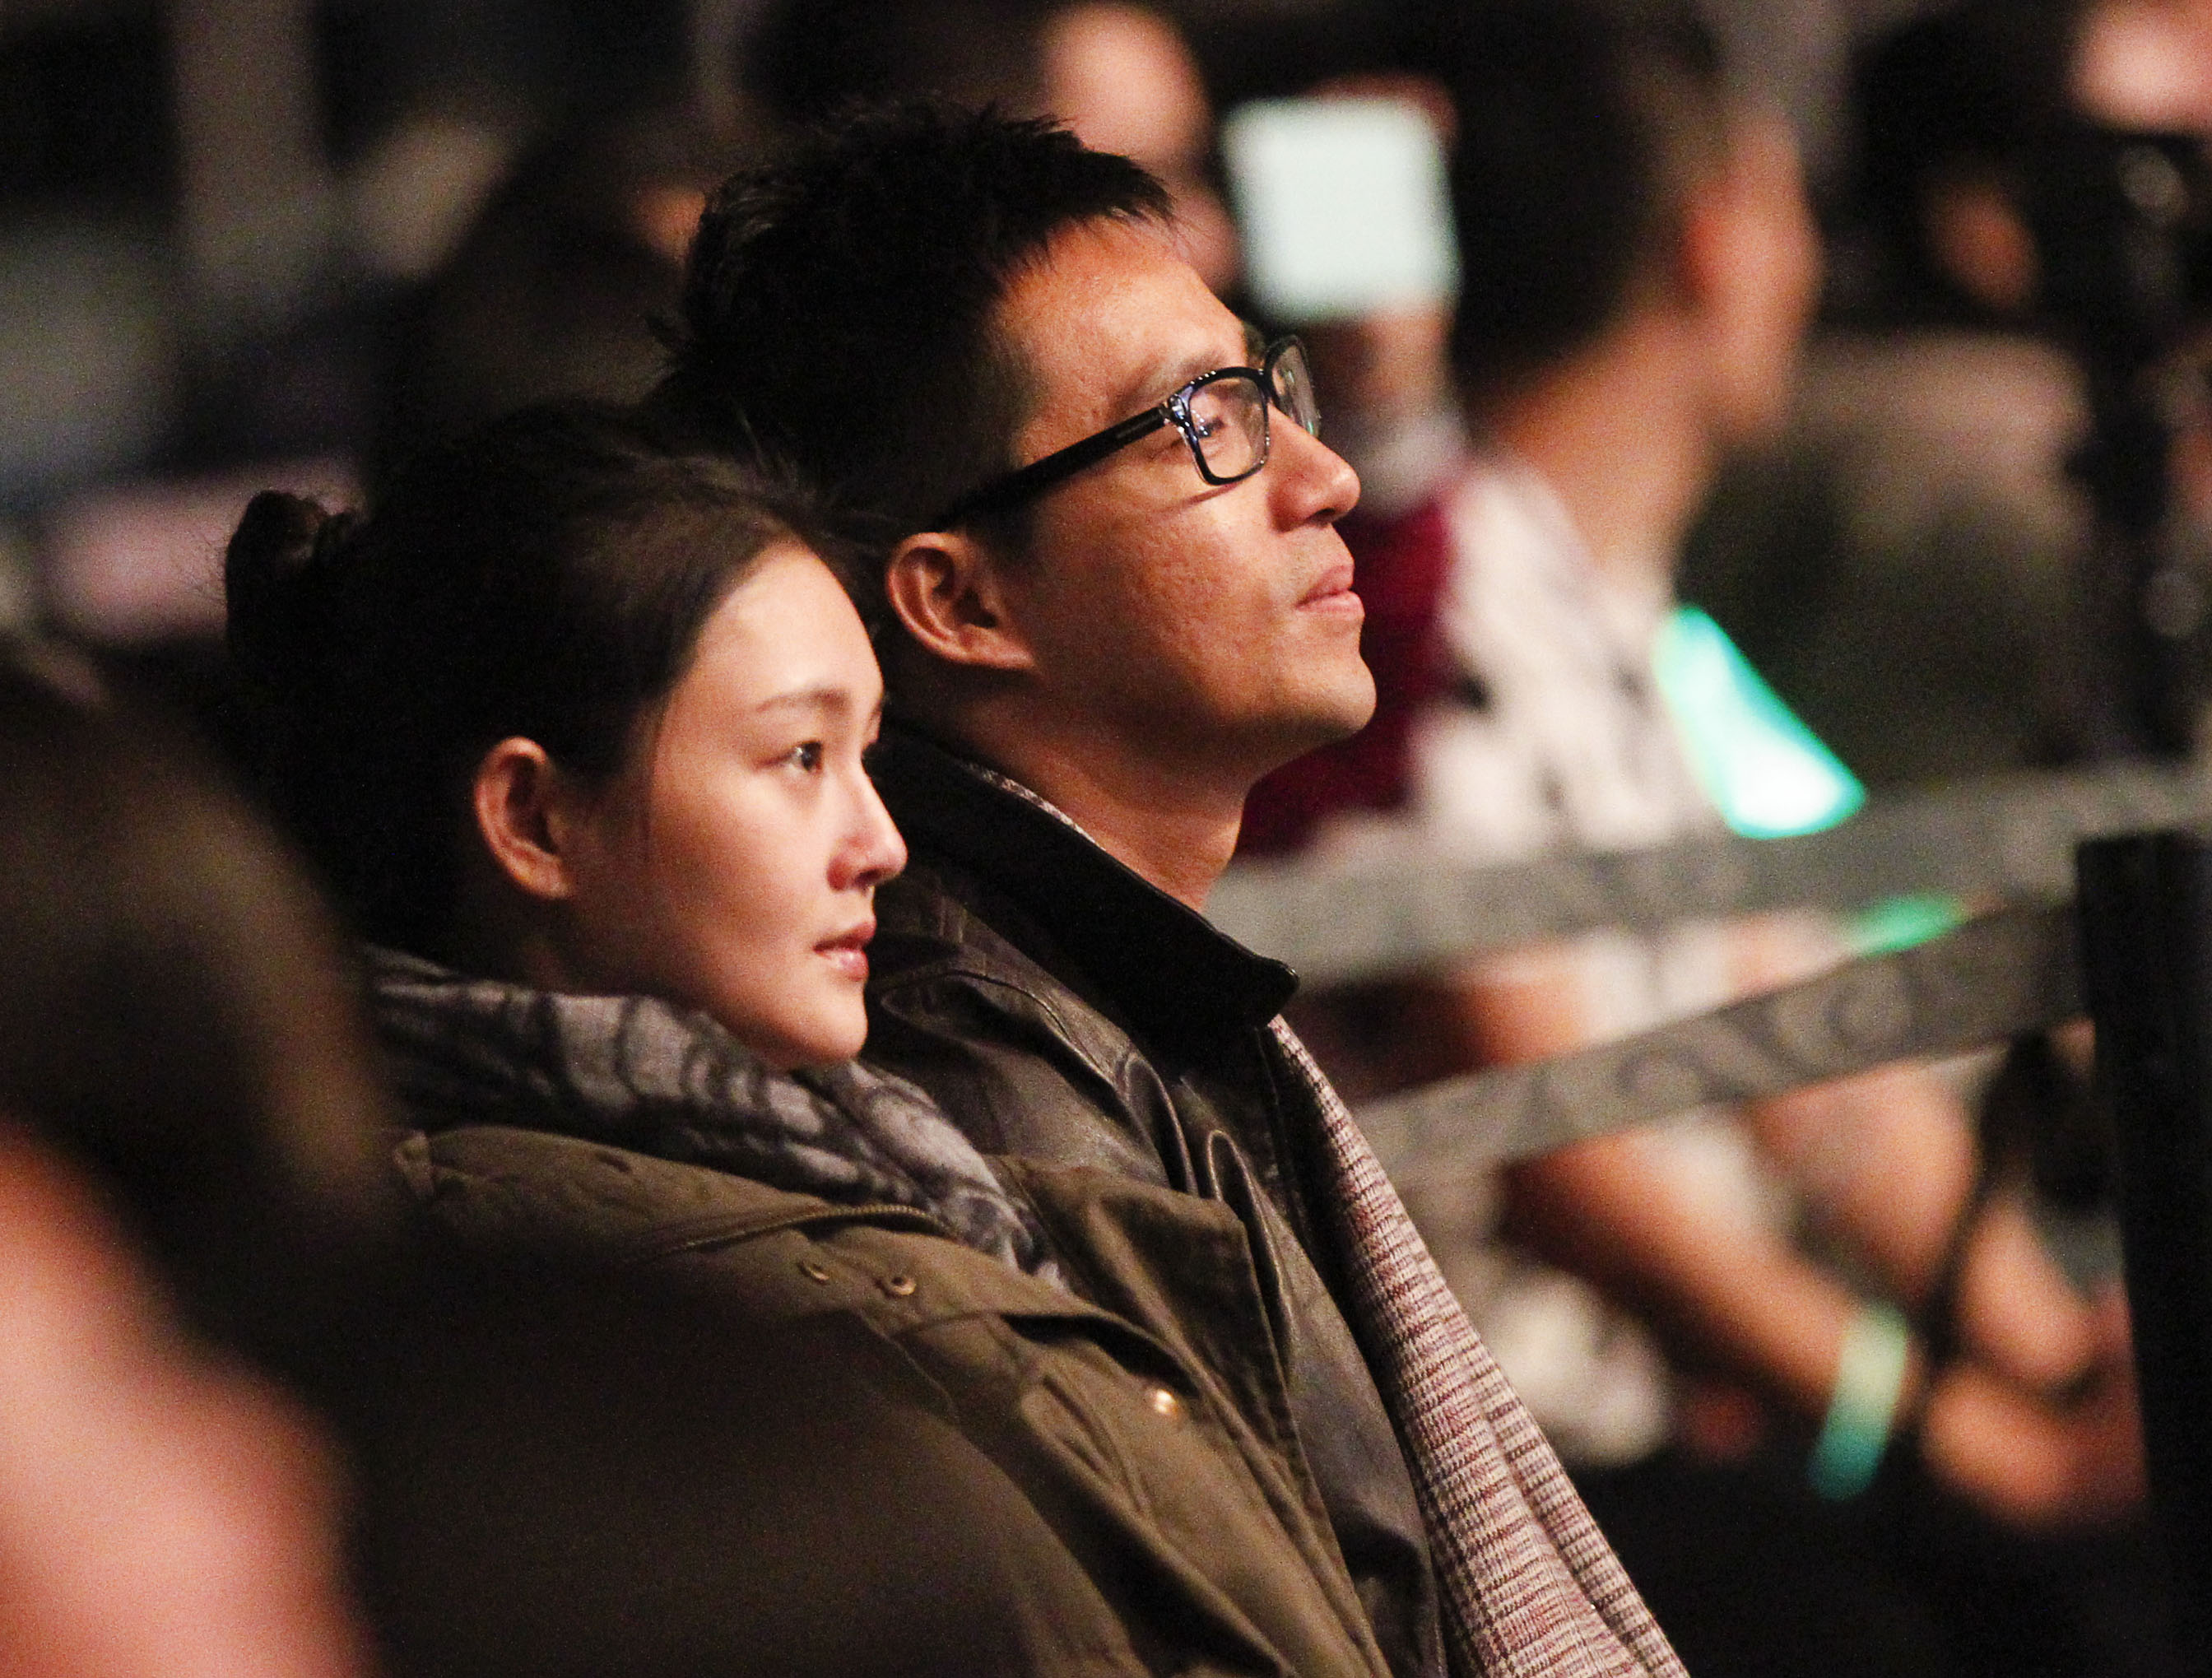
(1343, 207)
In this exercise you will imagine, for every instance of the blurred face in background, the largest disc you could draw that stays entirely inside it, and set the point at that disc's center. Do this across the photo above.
(1123, 79)
(2147, 64)
(2143, 65)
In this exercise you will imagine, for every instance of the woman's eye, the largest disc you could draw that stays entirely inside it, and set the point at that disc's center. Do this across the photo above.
(807, 757)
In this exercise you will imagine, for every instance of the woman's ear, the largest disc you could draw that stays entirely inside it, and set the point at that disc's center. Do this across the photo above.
(521, 801)
(947, 591)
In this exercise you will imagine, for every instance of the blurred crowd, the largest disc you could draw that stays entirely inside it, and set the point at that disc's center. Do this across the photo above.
(1857, 351)
(499, 199)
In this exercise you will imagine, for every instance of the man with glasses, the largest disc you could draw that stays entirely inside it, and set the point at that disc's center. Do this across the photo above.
(1113, 599)
(1222, 416)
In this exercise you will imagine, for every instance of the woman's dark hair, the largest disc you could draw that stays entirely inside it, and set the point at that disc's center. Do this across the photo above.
(175, 1017)
(546, 577)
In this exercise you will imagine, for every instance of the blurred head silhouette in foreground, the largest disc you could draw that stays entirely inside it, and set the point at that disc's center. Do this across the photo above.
(185, 1114)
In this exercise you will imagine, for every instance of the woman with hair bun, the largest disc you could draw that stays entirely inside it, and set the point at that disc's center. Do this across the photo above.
(574, 721)
(630, 676)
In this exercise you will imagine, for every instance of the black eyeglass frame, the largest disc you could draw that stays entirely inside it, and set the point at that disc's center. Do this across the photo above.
(1026, 482)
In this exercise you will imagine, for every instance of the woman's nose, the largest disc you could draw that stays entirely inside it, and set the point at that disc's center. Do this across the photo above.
(876, 852)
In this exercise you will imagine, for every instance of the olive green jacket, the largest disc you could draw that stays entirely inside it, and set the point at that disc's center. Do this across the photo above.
(1158, 1451)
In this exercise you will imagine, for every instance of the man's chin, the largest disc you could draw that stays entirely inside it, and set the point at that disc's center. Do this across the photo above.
(1347, 708)
(1326, 717)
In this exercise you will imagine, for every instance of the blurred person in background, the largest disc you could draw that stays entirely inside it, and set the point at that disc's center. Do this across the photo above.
(1638, 262)
(575, 722)
(2146, 65)
(1916, 531)
(554, 288)
(1941, 520)
(1119, 73)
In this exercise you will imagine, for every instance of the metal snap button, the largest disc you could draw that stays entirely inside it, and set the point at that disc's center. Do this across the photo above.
(900, 1286)
(1164, 1403)
(814, 1270)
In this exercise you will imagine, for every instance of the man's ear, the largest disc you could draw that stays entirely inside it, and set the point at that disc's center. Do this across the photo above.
(1749, 270)
(522, 803)
(1716, 237)
(1748, 226)
(947, 591)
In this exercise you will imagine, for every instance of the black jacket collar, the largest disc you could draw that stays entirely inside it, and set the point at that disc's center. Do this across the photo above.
(1165, 968)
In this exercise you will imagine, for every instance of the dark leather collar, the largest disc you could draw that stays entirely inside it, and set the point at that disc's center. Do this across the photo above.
(1165, 968)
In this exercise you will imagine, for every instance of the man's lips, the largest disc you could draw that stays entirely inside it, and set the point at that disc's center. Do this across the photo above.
(1333, 590)
(848, 952)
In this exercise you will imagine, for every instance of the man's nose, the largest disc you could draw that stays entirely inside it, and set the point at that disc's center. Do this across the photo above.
(1312, 483)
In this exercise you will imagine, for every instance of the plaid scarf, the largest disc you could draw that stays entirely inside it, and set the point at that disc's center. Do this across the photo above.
(1529, 1585)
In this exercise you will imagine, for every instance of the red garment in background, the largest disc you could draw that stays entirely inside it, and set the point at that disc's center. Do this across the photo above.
(1403, 562)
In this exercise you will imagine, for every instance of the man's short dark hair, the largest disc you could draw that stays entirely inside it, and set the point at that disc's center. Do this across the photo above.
(1580, 124)
(838, 308)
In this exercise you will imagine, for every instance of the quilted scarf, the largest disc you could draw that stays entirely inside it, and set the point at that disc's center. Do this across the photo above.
(640, 1074)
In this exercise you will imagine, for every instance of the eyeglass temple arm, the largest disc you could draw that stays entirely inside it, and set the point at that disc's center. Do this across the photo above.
(1039, 476)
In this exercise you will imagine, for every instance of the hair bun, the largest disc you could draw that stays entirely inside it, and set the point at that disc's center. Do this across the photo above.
(273, 578)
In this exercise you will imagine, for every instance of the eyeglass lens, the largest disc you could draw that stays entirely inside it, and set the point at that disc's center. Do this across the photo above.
(1229, 424)
(1229, 414)
(1293, 387)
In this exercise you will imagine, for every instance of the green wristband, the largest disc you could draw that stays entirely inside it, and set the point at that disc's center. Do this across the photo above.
(1869, 1378)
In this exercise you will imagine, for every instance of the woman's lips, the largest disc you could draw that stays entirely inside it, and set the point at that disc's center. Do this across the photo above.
(848, 952)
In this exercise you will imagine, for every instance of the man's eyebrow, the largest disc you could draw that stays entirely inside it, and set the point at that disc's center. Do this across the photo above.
(1169, 374)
